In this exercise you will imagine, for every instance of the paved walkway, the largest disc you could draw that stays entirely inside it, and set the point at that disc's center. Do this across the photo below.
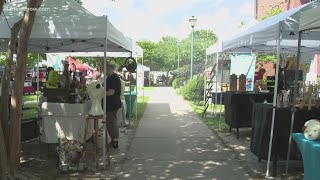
(172, 143)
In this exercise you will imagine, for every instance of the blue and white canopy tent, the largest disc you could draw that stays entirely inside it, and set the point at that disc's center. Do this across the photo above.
(65, 26)
(279, 34)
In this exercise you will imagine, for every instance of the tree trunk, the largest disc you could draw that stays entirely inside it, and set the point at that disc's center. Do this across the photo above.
(288, 5)
(3, 150)
(17, 94)
(4, 112)
(1, 6)
(4, 104)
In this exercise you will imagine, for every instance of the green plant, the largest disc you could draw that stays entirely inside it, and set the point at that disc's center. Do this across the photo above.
(176, 82)
(273, 11)
(267, 58)
(190, 90)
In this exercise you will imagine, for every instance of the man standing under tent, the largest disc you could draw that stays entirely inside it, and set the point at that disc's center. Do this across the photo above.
(113, 92)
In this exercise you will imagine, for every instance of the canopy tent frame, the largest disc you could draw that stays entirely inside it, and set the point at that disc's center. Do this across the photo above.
(306, 26)
(217, 55)
(252, 39)
(113, 41)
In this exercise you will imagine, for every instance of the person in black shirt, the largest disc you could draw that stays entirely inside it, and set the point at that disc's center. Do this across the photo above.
(113, 92)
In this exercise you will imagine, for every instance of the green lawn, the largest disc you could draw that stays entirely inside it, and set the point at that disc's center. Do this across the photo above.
(151, 88)
(32, 113)
(211, 122)
(30, 101)
(141, 108)
(29, 98)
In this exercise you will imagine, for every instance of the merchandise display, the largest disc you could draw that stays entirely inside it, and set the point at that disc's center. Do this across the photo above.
(70, 153)
(242, 83)
(96, 93)
(311, 130)
(233, 82)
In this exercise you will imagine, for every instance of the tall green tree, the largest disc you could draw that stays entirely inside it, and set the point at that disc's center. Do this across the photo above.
(163, 55)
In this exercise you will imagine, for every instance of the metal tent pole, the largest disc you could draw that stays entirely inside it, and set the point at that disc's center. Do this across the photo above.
(38, 71)
(137, 93)
(206, 80)
(294, 100)
(274, 103)
(221, 96)
(216, 73)
(143, 80)
(105, 100)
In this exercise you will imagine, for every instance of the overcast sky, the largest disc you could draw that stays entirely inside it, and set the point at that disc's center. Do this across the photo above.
(152, 19)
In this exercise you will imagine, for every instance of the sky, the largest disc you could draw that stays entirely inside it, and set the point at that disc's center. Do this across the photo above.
(153, 19)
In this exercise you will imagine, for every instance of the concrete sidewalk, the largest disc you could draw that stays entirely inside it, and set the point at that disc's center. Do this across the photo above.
(172, 143)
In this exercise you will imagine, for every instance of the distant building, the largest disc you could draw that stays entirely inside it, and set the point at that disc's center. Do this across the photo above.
(263, 6)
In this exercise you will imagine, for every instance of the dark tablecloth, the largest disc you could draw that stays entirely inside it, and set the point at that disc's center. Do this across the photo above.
(213, 99)
(261, 127)
(238, 107)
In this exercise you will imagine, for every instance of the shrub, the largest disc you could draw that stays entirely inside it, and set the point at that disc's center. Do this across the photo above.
(175, 83)
(190, 90)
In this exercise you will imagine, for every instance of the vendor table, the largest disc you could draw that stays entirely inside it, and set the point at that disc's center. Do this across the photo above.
(64, 118)
(238, 107)
(261, 127)
(213, 99)
(310, 151)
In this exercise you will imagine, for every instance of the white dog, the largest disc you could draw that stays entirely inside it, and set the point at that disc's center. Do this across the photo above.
(96, 93)
(311, 129)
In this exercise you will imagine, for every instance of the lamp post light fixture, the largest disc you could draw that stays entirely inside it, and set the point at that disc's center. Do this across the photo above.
(179, 43)
(193, 22)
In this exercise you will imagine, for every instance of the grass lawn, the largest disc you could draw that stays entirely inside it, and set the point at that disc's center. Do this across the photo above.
(29, 98)
(211, 122)
(30, 101)
(151, 88)
(141, 108)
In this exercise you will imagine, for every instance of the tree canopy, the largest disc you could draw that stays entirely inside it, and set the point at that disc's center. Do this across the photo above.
(163, 55)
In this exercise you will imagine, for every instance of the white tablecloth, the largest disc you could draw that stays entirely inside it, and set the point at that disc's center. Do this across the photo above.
(63, 119)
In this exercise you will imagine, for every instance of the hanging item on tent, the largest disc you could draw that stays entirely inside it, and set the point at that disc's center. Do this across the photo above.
(130, 64)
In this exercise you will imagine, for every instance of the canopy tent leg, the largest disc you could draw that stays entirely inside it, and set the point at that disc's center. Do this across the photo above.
(38, 71)
(143, 80)
(274, 103)
(221, 86)
(216, 95)
(294, 101)
(137, 90)
(105, 104)
(205, 83)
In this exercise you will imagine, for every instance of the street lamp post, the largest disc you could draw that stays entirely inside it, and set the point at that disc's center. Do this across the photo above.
(179, 54)
(193, 22)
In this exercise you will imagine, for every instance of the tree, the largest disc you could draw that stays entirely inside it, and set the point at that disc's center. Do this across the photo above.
(288, 5)
(17, 94)
(1, 6)
(272, 12)
(163, 55)
(5, 88)
(150, 55)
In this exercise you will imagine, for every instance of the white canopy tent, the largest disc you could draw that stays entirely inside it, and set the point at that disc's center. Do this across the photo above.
(65, 26)
(137, 52)
(309, 22)
(267, 32)
(279, 34)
